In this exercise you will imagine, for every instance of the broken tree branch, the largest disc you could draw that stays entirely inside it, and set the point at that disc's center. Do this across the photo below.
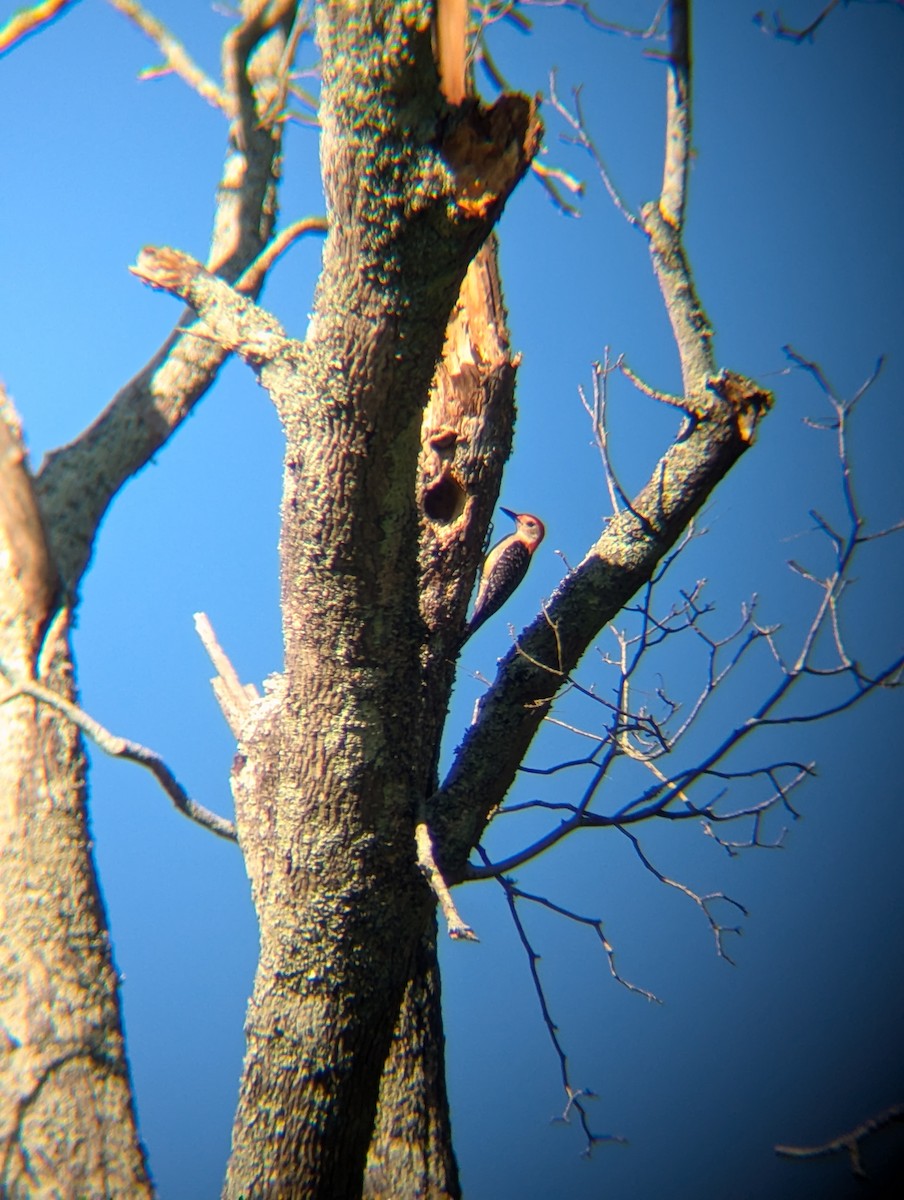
(233, 696)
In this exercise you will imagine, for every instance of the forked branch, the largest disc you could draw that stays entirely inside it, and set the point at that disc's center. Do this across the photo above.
(575, 1098)
(77, 482)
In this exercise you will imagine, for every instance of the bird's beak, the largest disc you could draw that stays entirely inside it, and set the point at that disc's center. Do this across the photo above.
(508, 512)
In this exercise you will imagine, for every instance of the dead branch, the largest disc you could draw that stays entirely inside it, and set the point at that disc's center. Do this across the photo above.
(553, 179)
(233, 697)
(119, 747)
(237, 324)
(457, 928)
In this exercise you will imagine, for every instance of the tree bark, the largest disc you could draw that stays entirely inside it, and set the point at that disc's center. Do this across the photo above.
(67, 1125)
(411, 1155)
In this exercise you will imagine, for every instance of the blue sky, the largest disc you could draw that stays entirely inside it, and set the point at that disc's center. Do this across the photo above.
(795, 236)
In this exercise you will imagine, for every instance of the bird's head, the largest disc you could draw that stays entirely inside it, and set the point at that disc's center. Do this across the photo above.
(531, 528)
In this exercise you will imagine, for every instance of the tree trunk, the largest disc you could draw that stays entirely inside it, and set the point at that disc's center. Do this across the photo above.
(67, 1125)
(411, 1155)
(337, 760)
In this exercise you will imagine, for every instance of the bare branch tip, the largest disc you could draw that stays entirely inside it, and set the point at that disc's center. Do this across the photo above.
(176, 59)
(462, 933)
(233, 697)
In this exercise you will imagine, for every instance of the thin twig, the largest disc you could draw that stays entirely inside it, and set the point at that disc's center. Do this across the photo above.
(777, 27)
(597, 412)
(581, 137)
(640, 32)
(703, 902)
(574, 1096)
(663, 397)
(596, 925)
(177, 59)
(119, 747)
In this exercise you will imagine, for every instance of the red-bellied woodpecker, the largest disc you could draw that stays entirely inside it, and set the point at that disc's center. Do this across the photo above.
(505, 566)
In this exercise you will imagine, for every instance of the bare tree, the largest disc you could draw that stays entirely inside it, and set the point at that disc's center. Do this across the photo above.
(397, 411)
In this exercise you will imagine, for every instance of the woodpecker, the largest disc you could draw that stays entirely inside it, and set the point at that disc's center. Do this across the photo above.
(505, 566)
